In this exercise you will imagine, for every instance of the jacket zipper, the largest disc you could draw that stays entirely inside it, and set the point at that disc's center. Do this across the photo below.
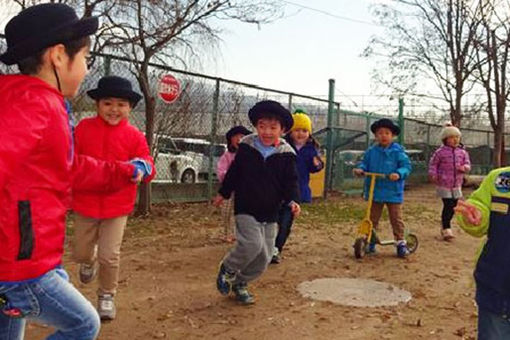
(454, 171)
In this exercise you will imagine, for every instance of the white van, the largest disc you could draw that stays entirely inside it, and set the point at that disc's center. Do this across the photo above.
(199, 150)
(173, 165)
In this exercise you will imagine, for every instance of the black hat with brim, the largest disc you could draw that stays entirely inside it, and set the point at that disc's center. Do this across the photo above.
(385, 123)
(115, 87)
(42, 26)
(235, 131)
(274, 108)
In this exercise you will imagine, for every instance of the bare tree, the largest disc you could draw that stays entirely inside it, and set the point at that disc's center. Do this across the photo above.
(169, 32)
(492, 54)
(431, 40)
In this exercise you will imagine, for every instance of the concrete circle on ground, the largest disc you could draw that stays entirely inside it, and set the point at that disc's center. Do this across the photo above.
(354, 292)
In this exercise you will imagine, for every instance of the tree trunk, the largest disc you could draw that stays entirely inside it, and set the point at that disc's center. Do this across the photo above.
(503, 153)
(457, 113)
(498, 148)
(145, 194)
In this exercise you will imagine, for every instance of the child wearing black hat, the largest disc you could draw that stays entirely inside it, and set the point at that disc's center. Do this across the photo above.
(233, 137)
(263, 175)
(100, 217)
(386, 157)
(50, 45)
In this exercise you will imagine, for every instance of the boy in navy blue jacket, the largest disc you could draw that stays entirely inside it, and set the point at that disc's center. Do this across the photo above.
(389, 158)
(263, 175)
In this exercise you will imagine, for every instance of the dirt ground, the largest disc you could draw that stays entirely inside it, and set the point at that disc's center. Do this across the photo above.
(170, 260)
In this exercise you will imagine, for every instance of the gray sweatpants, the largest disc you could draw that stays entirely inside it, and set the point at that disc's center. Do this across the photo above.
(253, 250)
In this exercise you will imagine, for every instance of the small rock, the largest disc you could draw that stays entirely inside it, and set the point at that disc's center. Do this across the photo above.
(460, 332)
(159, 335)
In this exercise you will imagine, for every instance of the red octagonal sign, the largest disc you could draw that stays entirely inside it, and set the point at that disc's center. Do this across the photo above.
(169, 88)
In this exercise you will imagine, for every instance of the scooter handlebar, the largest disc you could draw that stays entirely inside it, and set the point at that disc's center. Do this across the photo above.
(375, 174)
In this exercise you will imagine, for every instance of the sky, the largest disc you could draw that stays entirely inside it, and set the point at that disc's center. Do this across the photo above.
(299, 52)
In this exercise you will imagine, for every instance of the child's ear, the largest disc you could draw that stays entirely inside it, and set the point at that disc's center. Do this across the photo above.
(57, 55)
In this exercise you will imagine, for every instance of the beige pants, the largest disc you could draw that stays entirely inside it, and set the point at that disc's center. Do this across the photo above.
(107, 235)
(395, 212)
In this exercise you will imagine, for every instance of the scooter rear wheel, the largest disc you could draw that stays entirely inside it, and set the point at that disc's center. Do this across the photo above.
(359, 247)
(412, 242)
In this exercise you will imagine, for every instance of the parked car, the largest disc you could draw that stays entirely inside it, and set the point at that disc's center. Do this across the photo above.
(199, 150)
(351, 157)
(174, 165)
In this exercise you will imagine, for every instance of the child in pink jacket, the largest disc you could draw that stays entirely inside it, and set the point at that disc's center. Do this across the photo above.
(233, 136)
(446, 169)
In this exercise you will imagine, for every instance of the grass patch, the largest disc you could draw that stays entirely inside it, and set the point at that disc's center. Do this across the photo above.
(332, 212)
(336, 212)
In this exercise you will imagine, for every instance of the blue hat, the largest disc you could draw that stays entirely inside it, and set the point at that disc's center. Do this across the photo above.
(116, 87)
(42, 26)
(272, 107)
(385, 123)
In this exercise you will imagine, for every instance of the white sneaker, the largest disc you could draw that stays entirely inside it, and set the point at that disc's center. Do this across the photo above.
(106, 307)
(447, 234)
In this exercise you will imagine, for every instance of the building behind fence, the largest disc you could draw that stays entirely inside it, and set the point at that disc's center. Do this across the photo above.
(190, 132)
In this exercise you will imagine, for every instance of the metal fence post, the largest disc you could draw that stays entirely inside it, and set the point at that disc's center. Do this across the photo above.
(290, 103)
(107, 65)
(367, 130)
(329, 138)
(401, 121)
(212, 136)
(337, 119)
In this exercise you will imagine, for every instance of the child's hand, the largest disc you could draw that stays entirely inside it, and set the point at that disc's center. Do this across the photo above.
(295, 209)
(461, 168)
(358, 172)
(218, 200)
(470, 213)
(394, 176)
(316, 162)
(138, 177)
(433, 179)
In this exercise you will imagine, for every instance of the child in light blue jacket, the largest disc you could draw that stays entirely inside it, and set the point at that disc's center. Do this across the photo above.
(389, 158)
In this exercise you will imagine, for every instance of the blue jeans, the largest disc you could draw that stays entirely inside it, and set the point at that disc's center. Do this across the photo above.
(493, 326)
(51, 300)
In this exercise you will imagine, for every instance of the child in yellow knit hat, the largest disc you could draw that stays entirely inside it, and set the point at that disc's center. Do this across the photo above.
(307, 161)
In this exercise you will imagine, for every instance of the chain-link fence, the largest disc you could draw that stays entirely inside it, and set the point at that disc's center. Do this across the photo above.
(420, 139)
(189, 133)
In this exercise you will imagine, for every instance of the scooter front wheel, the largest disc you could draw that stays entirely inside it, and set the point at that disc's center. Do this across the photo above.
(359, 247)
(412, 242)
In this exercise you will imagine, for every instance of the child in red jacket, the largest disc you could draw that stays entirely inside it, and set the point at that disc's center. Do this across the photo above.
(50, 45)
(101, 217)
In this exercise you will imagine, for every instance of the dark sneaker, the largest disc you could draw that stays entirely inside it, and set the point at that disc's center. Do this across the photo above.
(402, 250)
(276, 259)
(370, 250)
(224, 280)
(242, 294)
(88, 272)
(106, 307)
